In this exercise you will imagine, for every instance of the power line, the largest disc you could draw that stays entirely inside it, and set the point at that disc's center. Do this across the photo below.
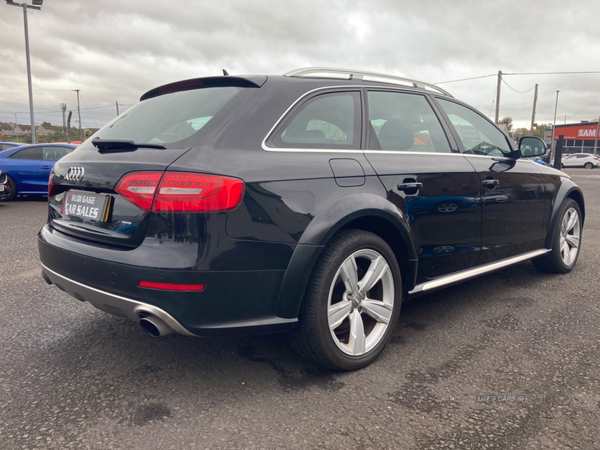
(519, 92)
(518, 73)
(466, 79)
(551, 73)
(574, 114)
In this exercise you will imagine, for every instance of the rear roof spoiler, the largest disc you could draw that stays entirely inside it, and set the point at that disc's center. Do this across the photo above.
(254, 81)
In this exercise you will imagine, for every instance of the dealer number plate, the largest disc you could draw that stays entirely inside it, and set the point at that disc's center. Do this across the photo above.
(88, 206)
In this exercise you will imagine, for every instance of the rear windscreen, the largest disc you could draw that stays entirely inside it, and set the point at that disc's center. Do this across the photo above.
(170, 118)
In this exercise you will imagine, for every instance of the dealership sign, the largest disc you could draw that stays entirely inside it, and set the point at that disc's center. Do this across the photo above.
(577, 132)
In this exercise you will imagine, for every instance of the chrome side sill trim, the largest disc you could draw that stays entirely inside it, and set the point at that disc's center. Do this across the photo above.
(111, 303)
(475, 272)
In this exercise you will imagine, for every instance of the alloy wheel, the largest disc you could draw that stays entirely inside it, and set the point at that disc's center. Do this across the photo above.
(570, 233)
(361, 302)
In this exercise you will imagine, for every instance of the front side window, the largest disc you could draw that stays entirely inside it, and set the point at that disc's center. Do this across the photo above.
(31, 153)
(476, 133)
(404, 122)
(328, 121)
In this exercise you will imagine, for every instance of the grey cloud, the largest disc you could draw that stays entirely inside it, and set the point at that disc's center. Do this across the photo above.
(116, 50)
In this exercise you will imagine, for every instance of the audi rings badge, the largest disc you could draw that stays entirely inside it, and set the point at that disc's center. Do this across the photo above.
(75, 174)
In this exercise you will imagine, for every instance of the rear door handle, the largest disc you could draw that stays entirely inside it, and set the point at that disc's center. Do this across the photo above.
(490, 183)
(409, 186)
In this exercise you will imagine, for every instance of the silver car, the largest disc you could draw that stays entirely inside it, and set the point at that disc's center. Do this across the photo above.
(585, 160)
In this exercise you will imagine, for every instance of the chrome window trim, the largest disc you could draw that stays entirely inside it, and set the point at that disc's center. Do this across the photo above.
(340, 150)
(476, 271)
(265, 147)
(298, 100)
(400, 152)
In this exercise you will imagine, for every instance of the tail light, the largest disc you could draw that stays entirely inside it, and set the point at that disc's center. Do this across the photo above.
(181, 191)
(139, 188)
(51, 187)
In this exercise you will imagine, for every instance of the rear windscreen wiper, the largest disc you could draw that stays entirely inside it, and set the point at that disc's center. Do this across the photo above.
(121, 145)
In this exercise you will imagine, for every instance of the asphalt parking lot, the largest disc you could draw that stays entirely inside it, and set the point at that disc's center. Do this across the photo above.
(75, 377)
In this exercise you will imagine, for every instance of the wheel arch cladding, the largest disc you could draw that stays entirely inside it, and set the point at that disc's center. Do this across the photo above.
(363, 212)
(567, 190)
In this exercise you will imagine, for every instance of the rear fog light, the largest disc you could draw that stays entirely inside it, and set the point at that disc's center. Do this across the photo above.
(171, 286)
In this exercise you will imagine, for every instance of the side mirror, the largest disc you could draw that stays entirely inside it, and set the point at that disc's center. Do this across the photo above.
(531, 146)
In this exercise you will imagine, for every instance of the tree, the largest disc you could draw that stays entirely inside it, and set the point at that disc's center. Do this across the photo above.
(506, 124)
(539, 130)
(58, 136)
(519, 133)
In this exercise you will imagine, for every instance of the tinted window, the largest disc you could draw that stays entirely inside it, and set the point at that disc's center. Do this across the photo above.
(55, 153)
(478, 135)
(169, 117)
(35, 153)
(404, 122)
(327, 121)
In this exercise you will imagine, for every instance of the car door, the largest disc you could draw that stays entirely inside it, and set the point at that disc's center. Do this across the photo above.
(570, 161)
(427, 178)
(512, 189)
(51, 154)
(23, 166)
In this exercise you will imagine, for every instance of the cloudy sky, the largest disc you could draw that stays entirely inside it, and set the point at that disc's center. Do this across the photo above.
(115, 50)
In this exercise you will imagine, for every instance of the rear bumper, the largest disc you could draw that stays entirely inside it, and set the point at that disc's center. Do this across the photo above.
(237, 302)
(111, 303)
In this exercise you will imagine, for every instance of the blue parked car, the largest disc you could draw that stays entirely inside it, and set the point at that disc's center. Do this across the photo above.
(27, 168)
(7, 145)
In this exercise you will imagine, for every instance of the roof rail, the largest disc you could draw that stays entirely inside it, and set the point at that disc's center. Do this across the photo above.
(362, 75)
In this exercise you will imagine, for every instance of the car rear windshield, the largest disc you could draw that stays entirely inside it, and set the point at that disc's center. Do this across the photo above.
(172, 119)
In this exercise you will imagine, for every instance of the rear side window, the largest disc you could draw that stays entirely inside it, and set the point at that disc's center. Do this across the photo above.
(404, 122)
(32, 153)
(328, 121)
(54, 153)
(477, 134)
(171, 117)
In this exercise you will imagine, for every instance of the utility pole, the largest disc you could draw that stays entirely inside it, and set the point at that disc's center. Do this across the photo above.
(16, 123)
(553, 146)
(63, 107)
(533, 114)
(117, 105)
(78, 112)
(498, 96)
(69, 127)
(596, 141)
(25, 7)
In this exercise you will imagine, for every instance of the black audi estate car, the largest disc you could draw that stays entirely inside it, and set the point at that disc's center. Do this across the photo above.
(312, 203)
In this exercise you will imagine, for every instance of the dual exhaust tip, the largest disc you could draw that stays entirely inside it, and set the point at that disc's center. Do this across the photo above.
(155, 326)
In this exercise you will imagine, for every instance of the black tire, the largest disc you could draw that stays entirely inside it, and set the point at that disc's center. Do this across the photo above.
(588, 165)
(554, 262)
(313, 339)
(10, 190)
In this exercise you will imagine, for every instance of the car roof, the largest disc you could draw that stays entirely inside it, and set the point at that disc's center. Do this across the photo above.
(319, 76)
(9, 151)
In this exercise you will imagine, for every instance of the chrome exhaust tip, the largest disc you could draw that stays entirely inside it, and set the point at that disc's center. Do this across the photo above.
(155, 326)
